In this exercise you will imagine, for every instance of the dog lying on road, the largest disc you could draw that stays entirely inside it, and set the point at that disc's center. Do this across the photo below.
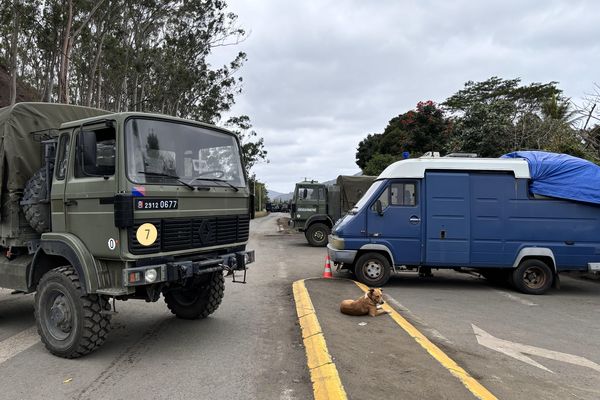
(366, 304)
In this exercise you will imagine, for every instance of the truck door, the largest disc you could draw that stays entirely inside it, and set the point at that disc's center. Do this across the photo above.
(399, 224)
(90, 188)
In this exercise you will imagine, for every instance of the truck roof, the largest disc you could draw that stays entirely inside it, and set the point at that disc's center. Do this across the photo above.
(416, 167)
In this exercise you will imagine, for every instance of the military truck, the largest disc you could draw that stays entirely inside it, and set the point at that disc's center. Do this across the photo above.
(316, 206)
(98, 206)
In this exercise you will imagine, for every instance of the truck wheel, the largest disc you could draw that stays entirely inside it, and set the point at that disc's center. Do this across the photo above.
(197, 301)
(37, 214)
(69, 323)
(532, 277)
(372, 269)
(317, 233)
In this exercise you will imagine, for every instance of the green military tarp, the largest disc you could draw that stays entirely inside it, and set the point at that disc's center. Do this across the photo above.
(352, 188)
(20, 154)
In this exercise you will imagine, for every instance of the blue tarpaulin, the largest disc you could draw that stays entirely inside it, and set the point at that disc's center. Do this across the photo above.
(561, 175)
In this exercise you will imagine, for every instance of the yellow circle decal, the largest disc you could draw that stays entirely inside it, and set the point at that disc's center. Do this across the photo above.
(146, 234)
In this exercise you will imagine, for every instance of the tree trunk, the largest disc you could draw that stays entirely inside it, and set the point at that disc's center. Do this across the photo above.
(64, 57)
(13, 55)
(93, 71)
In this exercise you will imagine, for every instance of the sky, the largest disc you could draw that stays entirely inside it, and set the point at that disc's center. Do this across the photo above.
(322, 75)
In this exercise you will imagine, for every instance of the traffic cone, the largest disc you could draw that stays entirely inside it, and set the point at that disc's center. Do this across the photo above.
(327, 272)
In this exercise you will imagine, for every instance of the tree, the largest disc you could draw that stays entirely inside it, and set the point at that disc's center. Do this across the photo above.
(498, 115)
(417, 131)
(378, 163)
(253, 149)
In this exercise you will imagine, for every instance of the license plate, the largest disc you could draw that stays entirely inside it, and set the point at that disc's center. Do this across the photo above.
(156, 204)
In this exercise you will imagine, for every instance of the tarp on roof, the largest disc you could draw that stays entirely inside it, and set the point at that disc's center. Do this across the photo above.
(352, 188)
(561, 175)
(20, 154)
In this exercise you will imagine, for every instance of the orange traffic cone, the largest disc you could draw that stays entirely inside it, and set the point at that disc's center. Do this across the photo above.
(327, 272)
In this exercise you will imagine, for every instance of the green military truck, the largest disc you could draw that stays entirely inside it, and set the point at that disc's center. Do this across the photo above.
(316, 206)
(98, 206)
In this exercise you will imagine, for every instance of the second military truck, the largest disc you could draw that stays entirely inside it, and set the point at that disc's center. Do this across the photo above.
(316, 206)
(99, 206)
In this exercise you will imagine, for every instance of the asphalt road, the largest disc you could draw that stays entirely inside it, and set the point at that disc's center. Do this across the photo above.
(251, 347)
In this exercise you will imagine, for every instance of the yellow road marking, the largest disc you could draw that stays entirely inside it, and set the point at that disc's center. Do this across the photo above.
(467, 380)
(323, 373)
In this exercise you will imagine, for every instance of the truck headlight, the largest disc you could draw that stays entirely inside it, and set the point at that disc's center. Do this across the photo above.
(150, 275)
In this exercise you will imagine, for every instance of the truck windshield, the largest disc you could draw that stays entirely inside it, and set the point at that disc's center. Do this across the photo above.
(366, 197)
(158, 149)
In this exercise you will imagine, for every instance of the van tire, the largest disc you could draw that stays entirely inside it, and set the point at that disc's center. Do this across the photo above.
(198, 300)
(37, 213)
(317, 233)
(84, 323)
(532, 276)
(372, 269)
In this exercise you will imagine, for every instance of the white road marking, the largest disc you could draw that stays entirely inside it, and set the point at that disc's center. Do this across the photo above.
(515, 298)
(518, 351)
(18, 343)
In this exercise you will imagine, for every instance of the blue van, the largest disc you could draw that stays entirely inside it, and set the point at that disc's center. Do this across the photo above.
(496, 216)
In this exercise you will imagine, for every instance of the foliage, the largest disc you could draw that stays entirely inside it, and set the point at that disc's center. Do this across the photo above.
(252, 149)
(378, 163)
(416, 132)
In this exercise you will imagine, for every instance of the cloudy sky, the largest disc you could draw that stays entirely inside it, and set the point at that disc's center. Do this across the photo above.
(321, 75)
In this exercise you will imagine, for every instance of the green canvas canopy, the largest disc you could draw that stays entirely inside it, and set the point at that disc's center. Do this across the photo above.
(20, 154)
(352, 188)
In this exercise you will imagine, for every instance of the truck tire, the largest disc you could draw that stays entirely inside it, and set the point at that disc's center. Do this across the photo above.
(197, 301)
(36, 213)
(317, 233)
(532, 276)
(372, 269)
(69, 323)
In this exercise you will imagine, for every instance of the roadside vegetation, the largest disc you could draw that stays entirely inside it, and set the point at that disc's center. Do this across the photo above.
(489, 118)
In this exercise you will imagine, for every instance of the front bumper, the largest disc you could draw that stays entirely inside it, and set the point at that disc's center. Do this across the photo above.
(341, 256)
(178, 271)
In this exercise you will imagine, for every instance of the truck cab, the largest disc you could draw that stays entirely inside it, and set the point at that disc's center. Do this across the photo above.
(309, 212)
(126, 206)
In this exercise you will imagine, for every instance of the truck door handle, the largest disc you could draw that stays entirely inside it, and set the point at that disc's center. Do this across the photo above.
(414, 219)
(70, 202)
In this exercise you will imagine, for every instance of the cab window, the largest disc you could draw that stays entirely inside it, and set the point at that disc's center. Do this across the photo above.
(62, 160)
(95, 153)
(403, 194)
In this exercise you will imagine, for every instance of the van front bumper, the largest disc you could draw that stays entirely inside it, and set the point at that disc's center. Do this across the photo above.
(341, 256)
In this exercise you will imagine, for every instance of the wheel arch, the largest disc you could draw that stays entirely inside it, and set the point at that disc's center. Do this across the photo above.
(376, 248)
(325, 219)
(60, 249)
(539, 253)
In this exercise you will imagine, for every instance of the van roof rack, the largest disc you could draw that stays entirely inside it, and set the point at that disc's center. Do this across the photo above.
(462, 155)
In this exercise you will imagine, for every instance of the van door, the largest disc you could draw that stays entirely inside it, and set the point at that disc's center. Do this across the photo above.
(399, 225)
(90, 190)
(448, 218)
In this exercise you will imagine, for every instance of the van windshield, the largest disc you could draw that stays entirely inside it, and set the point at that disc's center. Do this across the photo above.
(366, 197)
(157, 150)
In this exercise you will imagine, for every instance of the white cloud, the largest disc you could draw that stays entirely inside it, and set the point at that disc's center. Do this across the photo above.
(321, 75)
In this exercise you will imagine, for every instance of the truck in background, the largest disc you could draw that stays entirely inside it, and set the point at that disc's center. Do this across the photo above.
(522, 219)
(98, 206)
(316, 206)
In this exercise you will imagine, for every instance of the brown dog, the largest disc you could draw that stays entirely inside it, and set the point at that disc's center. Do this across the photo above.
(366, 304)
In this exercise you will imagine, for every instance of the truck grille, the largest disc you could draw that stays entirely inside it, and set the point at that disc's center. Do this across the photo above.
(184, 233)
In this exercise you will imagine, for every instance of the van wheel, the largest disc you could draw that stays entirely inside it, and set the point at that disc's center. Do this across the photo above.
(317, 233)
(198, 300)
(532, 277)
(69, 323)
(372, 269)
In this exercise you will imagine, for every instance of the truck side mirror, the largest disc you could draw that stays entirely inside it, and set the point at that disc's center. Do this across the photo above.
(304, 193)
(87, 151)
(378, 207)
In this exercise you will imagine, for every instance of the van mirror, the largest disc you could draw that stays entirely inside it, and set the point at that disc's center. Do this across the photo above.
(378, 207)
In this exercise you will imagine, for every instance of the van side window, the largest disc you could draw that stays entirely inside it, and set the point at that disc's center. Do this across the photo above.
(96, 157)
(403, 194)
(62, 161)
(384, 198)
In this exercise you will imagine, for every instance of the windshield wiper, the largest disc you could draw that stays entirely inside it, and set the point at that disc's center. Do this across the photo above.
(214, 180)
(168, 176)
